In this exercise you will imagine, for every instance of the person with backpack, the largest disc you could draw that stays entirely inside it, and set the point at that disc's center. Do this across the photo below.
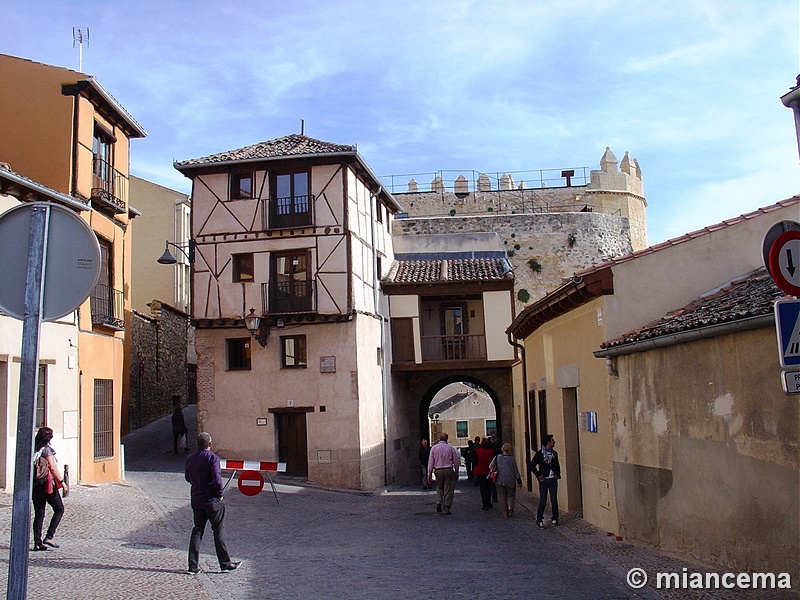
(47, 481)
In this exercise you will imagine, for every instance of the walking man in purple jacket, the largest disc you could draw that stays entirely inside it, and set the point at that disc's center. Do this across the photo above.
(202, 471)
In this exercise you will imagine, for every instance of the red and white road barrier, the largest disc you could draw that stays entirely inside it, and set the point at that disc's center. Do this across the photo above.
(252, 465)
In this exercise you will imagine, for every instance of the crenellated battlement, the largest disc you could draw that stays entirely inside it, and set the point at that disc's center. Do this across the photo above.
(552, 223)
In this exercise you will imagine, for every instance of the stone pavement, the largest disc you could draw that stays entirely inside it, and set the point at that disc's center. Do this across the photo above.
(129, 540)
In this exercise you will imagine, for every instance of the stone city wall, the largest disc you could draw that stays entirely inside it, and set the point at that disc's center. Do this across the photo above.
(544, 249)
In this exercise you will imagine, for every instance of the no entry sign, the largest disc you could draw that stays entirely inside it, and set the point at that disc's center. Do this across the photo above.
(784, 262)
(251, 483)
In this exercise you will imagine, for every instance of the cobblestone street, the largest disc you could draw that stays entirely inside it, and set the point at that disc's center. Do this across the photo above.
(129, 540)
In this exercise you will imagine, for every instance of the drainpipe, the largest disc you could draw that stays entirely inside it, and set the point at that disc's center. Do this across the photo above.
(521, 349)
(376, 295)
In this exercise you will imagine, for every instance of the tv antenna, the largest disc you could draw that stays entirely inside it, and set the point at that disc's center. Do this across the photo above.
(79, 36)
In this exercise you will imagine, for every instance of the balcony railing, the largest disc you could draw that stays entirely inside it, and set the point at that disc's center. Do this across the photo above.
(107, 307)
(286, 297)
(109, 186)
(453, 347)
(280, 213)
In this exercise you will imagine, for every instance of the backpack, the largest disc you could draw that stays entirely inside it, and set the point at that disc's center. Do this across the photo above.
(40, 468)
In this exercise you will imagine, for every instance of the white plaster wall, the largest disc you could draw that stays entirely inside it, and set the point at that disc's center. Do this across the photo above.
(58, 350)
(497, 315)
(404, 306)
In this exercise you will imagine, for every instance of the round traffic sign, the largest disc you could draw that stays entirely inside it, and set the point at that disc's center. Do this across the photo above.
(72, 264)
(772, 235)
(784, 262)
(250, 483)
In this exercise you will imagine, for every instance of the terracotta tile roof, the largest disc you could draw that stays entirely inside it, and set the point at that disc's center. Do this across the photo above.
(751, 295)
(290, 145)
(691, 235)
(453, 270)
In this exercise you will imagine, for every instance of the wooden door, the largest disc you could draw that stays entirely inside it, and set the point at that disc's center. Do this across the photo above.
(292, 444)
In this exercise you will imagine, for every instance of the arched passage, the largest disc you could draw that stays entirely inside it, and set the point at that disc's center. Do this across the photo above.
(414, 391)
(429, 395)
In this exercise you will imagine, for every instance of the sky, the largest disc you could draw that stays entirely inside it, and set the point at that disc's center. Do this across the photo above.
(690, 88)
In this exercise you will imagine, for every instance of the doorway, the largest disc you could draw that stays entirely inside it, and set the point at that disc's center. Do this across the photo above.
(292, 442)
(572, 450)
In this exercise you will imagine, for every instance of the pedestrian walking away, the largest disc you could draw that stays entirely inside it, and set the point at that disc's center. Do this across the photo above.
(179, 429)
(508, 479)
(496, 446)
(481, 472)
(444, 461)
(47, 481)
(203, 472)
(547, 470)
(424, 455)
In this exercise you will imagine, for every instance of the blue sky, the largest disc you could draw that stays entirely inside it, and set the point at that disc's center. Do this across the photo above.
(690, 88)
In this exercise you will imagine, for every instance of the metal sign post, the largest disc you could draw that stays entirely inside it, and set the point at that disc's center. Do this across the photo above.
(44, 279)
(17, 588)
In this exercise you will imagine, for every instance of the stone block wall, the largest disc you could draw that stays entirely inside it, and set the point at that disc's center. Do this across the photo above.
(159, 367)
(544, 249)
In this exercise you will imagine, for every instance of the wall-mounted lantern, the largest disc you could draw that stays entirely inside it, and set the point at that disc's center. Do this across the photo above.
(257, 327)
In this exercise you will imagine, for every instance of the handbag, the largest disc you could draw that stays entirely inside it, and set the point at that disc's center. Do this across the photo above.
(41, 468)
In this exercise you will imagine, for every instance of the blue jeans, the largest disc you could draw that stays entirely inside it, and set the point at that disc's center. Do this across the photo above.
(548, 486)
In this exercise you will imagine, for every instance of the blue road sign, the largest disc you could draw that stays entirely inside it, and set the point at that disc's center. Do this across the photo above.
(787, 323)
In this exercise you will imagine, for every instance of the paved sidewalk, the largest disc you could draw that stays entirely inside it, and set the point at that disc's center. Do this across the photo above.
(129, 540)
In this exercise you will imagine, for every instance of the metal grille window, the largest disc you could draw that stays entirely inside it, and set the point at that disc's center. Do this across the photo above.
(41, 398)
(103, 419)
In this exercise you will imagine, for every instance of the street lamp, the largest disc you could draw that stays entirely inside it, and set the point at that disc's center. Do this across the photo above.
(257, 327)
(792, 100)
(187, 249)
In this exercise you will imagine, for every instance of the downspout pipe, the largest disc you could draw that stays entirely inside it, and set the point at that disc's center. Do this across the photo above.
(521, 349)
(376, 298)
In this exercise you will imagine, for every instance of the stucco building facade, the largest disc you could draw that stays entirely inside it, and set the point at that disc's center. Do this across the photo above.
(63, 130)
(658, 374)
(296, 232)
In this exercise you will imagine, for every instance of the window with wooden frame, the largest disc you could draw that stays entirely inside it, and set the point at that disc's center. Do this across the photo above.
(462, 429)
(290, 205)
(238, 354)
(293, 352)
(243, 267)
(291, 289)
(241, 186)
(102, 143)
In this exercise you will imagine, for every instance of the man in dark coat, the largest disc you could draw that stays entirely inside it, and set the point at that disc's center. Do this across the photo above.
(545, 467)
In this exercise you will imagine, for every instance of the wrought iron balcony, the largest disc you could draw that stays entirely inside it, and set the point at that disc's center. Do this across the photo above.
(108, 307)
(280, 213)
(109, 186)
(453, 347)
(287, 297)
